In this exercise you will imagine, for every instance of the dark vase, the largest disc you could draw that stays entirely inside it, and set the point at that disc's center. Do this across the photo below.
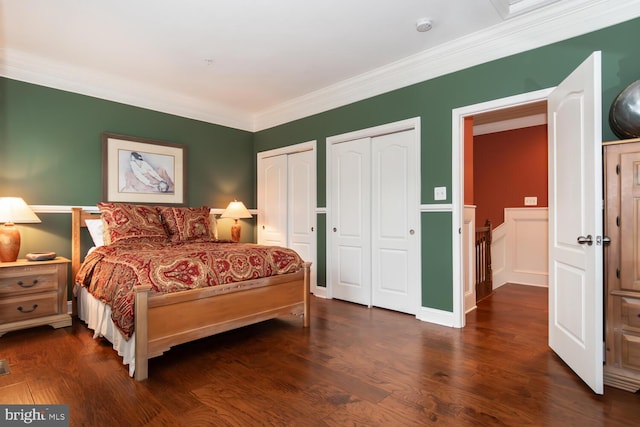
(624, 115)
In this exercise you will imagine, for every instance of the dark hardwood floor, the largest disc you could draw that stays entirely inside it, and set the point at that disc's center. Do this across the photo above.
(354, 367)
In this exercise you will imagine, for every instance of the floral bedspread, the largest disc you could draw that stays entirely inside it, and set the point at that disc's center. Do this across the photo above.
(110, 272)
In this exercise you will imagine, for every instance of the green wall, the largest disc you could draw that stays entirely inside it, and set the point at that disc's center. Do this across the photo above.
(50, 141)
(50, 154)
(433, 101)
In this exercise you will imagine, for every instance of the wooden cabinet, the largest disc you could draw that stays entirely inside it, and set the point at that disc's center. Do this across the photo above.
(622, 264)
(33, 294)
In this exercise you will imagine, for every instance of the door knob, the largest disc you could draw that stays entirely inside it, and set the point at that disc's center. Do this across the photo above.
(588, 240)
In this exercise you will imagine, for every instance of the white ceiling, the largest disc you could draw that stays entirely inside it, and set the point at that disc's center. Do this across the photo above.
(251, 64)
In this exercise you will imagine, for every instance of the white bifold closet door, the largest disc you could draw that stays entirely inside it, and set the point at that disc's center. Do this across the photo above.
(286, 203)
(374, 230)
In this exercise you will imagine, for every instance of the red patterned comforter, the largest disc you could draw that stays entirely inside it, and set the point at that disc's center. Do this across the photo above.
(110, 272)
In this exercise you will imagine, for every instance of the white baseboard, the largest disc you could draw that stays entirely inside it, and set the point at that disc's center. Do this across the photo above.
(439, 317)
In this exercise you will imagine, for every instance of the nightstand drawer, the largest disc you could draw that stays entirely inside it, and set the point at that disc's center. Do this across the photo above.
(28, 307)
(28, 279)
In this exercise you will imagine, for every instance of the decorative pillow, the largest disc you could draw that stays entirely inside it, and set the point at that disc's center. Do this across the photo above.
(96, 229)
(186, 223)
(126, 221)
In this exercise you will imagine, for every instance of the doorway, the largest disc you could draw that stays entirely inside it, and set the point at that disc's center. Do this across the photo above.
(503, 107)
(505, 194)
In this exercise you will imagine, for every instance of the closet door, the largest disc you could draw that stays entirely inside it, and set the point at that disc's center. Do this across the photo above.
(301, 201)
(272, 201)
(287, 203)
(394, 222)
(350, 227)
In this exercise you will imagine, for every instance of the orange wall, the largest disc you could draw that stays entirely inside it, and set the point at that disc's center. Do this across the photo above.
(468, 161)
(507, 166)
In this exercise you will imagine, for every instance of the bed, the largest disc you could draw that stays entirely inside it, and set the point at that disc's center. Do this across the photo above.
(163, 320)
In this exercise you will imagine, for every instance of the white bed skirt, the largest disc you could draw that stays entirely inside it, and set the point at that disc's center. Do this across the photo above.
(97, 316)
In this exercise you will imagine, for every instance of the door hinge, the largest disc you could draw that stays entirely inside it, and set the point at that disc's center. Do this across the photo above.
(617, 273)
(618, 221)
(617, 169)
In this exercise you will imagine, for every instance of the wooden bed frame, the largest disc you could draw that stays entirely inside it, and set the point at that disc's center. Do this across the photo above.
(162, 321)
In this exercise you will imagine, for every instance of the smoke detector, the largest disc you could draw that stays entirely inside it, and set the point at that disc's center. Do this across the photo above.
(423, 25)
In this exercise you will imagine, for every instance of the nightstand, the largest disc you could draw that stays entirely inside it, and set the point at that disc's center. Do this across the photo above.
(33, 293)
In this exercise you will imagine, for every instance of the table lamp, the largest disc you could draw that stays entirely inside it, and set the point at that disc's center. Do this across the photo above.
(13, 210)
(236, 210)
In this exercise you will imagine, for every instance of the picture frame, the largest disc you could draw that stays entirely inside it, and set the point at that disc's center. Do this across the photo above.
(142, 170)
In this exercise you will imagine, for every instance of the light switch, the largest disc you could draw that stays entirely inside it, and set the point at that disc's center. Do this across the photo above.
(531, 201)
(440, 193)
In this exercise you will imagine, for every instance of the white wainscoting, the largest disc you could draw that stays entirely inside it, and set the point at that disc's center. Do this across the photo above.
(520, 248)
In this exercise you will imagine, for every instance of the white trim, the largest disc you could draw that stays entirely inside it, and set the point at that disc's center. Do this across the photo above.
(432, 315)
(320, 291)
(510, 8)
(90, 82)
(518, 245)
(289, 149)
(504, 125)
(437, 207)
(399, 126)
(61, 209)
(555, 22)
(457, 180)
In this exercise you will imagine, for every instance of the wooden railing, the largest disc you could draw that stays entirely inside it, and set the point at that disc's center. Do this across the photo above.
(484, 274)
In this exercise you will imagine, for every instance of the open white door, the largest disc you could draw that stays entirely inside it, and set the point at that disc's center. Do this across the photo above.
(575, 222)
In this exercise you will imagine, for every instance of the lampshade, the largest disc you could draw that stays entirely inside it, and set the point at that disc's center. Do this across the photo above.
(236, 210)
(15, 210)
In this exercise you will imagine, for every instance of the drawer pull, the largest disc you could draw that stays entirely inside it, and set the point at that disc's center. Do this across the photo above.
(25, 285)
(22, 310)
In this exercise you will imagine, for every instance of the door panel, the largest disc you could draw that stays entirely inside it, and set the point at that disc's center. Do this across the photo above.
(272, 201)
(302, 196)
(350, 221)
(630, 221)
(394, 220)
(575, 210)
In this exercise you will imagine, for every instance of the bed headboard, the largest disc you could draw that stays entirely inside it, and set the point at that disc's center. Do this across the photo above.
(78, 218)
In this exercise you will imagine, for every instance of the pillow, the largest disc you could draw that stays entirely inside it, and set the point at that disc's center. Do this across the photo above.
(95, 230)
(184, 224)
(124, 221)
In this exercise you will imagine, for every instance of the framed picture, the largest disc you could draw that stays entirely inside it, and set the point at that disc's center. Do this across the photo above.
(140, 170)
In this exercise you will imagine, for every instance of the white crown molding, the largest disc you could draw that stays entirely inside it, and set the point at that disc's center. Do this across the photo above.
(556, 22)
(510, 8)
(31, 69)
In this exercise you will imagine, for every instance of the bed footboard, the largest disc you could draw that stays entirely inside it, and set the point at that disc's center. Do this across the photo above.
(163, 321)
